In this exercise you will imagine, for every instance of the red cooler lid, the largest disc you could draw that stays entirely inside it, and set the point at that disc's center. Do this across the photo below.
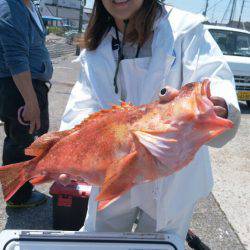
(74, 188)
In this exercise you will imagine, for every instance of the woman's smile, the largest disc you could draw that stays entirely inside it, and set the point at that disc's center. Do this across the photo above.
(120, 3)
(122, 9)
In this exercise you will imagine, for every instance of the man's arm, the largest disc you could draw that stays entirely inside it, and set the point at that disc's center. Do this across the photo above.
(31, 109)
(15, 42)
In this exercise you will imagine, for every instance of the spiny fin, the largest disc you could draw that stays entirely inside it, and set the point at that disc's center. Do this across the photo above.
(126, 105)
(123, 175)
(13, 176)
(104, 112)
(45, 142)
(167, 129)
(40, 179)
(103, 204)
(119, 179)
(157, 145)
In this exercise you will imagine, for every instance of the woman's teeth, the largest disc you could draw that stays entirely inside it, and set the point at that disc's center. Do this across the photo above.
(120, 1)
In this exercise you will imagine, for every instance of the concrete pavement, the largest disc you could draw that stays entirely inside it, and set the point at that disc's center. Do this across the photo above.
(221, 221)
(232, 179)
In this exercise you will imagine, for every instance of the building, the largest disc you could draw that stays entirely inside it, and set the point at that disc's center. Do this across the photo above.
(66, 9)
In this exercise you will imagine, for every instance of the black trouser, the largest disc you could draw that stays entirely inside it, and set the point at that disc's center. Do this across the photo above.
(17, 135)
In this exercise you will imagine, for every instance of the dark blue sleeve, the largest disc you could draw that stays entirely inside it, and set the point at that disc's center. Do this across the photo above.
(14, 35)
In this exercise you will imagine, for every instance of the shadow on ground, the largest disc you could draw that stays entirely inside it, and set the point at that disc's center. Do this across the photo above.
(244, 108)
(38, 218)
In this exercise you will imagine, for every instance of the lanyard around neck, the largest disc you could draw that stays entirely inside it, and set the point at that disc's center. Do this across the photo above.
(120, 52)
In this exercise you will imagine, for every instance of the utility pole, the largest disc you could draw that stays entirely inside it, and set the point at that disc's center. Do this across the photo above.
(82, 4)
(241, 11)
(232, 11)
(57, 8)
(206, 7)
(55, 3)
(226, 11)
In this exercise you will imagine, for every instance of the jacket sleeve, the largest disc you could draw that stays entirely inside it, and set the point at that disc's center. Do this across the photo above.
(82, 102)
(14, 38)
(203, 59)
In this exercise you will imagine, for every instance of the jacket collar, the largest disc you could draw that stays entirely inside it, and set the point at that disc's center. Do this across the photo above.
(42, 32)
(164, 14)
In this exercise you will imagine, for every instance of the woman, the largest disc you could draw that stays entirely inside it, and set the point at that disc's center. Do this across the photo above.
(132, 50)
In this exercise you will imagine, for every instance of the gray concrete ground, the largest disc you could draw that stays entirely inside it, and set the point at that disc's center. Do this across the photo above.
(221, 221)
(232, 179)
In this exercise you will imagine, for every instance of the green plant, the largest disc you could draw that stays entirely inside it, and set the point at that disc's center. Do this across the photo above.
(59, 31)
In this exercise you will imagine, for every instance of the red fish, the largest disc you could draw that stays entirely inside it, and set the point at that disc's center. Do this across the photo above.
(122, 147)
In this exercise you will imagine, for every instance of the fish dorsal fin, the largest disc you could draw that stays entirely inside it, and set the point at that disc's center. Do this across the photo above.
(45, 142)
(105, 112)
(126, 105)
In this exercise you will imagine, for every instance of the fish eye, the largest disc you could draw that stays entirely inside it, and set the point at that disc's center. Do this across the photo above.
(163, 91)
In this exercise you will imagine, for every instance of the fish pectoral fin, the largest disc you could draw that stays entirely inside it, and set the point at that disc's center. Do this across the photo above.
(168, 129)
(103, 204)
(119, 179)
(156, 145)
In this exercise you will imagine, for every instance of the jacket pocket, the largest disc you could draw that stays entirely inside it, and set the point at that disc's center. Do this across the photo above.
(45, 71)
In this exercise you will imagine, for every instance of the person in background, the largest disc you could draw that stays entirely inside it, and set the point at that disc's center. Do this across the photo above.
(133, 49)
(25, 70)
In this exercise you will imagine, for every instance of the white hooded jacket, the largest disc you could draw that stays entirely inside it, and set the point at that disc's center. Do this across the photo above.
(182, 52)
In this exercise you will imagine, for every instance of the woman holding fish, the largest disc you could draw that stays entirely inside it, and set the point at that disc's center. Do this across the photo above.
(150, 161)
(133, 49)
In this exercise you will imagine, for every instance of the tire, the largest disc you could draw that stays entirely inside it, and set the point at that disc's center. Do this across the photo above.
(248, 104)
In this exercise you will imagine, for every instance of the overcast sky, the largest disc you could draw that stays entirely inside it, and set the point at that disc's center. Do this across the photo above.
(216, 8)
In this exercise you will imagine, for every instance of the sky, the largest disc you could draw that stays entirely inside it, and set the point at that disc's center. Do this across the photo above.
(216, 8)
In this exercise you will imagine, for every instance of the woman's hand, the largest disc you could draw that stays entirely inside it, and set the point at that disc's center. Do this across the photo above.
(64, 179)
(220, 106)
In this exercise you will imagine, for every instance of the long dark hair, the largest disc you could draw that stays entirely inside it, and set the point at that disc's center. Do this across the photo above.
(101, 21)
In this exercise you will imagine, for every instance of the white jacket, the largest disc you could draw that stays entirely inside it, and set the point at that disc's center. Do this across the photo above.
(182, 52)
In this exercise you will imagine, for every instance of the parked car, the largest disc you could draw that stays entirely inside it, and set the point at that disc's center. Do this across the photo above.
(235, 45)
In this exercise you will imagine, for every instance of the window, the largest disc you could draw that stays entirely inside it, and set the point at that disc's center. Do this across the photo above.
(232, 42)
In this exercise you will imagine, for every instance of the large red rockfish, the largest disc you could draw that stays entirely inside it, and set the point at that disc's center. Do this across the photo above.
(122, 147)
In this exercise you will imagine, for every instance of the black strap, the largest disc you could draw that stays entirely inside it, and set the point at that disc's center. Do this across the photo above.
(120, 53)
(137, 51)
(116, 44)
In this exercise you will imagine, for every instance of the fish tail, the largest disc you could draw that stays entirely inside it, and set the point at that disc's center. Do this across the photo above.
(13, 176)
